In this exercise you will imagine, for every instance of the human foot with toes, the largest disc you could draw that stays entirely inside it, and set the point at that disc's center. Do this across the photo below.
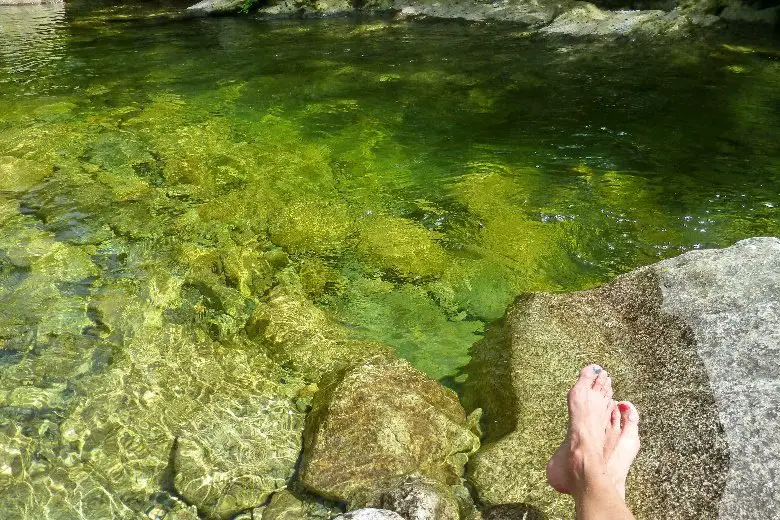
(602, 441)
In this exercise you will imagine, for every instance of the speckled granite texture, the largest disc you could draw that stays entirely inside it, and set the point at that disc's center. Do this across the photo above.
(692, 341)
(731, 300)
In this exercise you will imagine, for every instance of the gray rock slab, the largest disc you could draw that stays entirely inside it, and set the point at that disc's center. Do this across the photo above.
(731, 300)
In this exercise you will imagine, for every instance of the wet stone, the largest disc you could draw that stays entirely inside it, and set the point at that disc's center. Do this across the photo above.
(419, 498)
(370, 514)
(381, 419)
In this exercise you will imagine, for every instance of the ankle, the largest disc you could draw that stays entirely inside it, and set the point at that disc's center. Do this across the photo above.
(595, 480)
(588, 466)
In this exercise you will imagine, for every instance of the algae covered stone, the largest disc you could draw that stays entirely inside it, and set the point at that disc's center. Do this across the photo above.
(379, 419)
(685, 340)
(401, 247)
(311, 226)
(297, 333)
(18, 175)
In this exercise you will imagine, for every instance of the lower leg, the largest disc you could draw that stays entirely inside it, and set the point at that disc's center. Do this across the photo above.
(600, 500)
(602, 442)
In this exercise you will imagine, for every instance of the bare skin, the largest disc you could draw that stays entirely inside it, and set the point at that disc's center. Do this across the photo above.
(593, 462)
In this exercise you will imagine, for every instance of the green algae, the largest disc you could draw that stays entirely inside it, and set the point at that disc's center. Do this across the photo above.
(401, 247)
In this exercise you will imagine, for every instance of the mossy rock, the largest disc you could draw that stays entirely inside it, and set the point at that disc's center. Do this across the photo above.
(402, 247)
(379, 419)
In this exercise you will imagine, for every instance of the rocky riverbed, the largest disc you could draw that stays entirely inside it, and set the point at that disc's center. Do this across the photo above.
(228, 434)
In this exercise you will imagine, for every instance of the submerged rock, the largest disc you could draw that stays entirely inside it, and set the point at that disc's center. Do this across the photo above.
(691, 341)
(299, 334)
(401, 247)
(378, 420)
(371, 514)
(419, 498)
(214, 421)
(296, 505)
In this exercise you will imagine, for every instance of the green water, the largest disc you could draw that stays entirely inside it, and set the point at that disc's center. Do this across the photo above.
(408, 179)
(416, 177)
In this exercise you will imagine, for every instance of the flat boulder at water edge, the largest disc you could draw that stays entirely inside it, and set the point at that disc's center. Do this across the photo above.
(693, 341)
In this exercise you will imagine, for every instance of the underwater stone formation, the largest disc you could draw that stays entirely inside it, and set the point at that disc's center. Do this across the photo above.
(381, 419)
(370, 514)
(214, 419)
(297, 333)
(419, 498)
(682, 340)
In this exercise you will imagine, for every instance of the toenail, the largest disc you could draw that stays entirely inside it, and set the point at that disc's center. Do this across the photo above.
(624, 407)
(597, 369)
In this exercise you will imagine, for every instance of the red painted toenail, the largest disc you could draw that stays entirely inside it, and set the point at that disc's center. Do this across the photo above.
(624, 407)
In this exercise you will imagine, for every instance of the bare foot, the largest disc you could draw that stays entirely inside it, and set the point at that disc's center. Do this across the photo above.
(620, 434)
(558, 474)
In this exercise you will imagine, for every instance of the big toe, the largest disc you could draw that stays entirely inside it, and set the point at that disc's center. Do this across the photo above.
(588, 375)
(629, 427)
(629, 418)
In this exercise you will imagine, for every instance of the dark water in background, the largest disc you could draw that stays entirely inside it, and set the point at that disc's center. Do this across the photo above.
(415, 176)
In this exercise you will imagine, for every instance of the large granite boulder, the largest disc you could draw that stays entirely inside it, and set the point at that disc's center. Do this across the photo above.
(381, 419)
(694, 341)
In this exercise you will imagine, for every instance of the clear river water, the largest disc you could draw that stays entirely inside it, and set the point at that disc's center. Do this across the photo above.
(409, 179)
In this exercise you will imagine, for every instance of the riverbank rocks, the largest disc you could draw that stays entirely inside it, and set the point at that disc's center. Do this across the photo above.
(587, 19)
(30, 2)
(378, 420)
(693, 341)
(600, 18)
